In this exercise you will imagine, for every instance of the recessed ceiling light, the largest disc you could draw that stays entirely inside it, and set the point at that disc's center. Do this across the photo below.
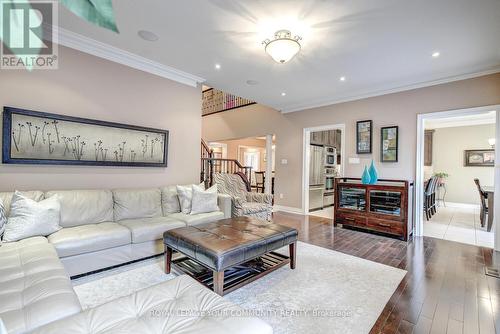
(436, 54)
(217, 66)
(252, 82)
(283, 94)
(342, 79)
(147, 35)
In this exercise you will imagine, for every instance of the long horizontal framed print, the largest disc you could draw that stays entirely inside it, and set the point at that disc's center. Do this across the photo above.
(479, 158)
(389, 144)
(364, 137)
(33, 137)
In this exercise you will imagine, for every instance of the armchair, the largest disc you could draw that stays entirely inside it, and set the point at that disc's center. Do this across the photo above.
(244, 203)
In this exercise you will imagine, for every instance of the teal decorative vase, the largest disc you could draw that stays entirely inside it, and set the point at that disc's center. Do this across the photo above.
(373, 173)
(365, 178)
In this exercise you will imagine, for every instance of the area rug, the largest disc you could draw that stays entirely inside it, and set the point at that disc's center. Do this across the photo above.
(328, 292)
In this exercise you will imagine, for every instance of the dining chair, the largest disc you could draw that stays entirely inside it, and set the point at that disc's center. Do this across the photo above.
(259, 181)
(483, 196)
(430, 198)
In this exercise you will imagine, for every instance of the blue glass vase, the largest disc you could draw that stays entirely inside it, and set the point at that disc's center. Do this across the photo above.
(365, 178)
(373, 173)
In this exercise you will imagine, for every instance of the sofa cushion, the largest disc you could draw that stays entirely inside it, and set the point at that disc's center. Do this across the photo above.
(137, 203)
(162, 309)
(253, 207)
(170, 200)
(199, 218)
(80, 207)
(148, 229)
(3, 218)
(89, 238)
(7, 198)
(34, 287)
(29, 218)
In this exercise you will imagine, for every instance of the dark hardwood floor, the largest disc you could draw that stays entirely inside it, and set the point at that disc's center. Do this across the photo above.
(445, 290)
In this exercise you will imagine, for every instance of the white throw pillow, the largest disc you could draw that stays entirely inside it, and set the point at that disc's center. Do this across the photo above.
(185, 194)
(204, 200)
(3, 218)
(29, 218)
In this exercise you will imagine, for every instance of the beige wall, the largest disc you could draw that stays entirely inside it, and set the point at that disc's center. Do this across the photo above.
(232, 149)
(90, 87)
(393, 109)
(448, 156)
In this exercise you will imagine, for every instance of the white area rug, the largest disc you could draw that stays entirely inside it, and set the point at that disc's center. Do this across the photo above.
(329, 292)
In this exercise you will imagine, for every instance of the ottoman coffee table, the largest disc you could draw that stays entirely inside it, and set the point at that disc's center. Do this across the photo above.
(229, 253)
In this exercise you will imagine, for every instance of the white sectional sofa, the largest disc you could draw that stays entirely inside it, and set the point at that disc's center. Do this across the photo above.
(103, 228)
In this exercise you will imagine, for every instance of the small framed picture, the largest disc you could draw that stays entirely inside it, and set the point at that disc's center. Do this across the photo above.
(389, 144)
(479, 158)
(364, 137)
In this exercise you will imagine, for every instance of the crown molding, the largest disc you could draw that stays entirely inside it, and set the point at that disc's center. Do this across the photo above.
(326, 102)
(102, 50)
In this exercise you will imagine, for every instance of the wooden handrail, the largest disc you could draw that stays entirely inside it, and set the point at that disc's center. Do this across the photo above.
(210, 166)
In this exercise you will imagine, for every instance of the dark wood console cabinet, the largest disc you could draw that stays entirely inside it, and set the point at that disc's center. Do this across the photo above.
(384, 207)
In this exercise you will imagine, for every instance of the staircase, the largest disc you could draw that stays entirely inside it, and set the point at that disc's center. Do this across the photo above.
(211, 165)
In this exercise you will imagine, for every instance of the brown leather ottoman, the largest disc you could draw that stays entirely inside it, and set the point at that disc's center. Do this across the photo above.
(242, 247)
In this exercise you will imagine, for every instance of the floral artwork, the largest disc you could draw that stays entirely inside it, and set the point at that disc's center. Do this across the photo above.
(47, 138)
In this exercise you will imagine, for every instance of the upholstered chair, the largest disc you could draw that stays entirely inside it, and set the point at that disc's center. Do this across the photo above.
(244, 203)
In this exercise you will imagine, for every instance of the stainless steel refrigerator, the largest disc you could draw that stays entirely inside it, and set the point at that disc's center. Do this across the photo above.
(316, 177)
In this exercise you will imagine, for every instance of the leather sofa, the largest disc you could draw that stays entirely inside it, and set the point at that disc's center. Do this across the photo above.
(102, 228)
(105, 228)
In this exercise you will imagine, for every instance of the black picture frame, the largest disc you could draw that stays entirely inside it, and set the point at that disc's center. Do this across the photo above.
(363, 147)
(484, 160)
(385, 155)
(7, 129)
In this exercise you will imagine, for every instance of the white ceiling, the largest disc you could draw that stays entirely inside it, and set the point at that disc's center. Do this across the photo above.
(379, 46)
(465, 120)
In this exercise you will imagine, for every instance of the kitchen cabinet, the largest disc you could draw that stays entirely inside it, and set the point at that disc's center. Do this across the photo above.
(428, 137)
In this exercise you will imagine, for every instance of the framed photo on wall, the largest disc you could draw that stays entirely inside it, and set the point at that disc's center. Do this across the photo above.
(389, 144)
(364, 137)
(479, 158)
(33, 137)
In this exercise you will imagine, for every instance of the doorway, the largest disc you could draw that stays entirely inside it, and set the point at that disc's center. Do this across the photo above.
(323, 160)
(453, 149)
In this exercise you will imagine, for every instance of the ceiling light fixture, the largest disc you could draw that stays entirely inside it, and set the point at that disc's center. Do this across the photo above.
(147, 35)
(342, 78)
(283, 94)
(283, 47)
(436, 54)
(217, 66)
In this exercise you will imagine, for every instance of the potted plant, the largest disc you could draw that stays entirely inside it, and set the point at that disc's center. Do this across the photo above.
(441, 177)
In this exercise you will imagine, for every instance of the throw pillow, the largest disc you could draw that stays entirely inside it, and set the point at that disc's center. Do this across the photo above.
(204, 200)
(185, 194)
(29, 218)
(3, 219)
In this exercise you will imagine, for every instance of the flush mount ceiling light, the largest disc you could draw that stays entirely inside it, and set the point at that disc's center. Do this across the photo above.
(283, 47)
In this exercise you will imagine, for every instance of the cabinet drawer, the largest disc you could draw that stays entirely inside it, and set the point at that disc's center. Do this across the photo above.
(350, 219)
(385, 226)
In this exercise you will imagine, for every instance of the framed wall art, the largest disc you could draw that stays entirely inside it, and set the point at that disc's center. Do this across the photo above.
(33, 137)
(364, 137)
(389, 144)
(479, 158)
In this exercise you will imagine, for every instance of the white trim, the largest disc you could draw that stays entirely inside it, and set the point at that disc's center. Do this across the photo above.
(106, 51)
(288, 209)
(419, 175)
(306, 157)
(461, 205)
(326, 102)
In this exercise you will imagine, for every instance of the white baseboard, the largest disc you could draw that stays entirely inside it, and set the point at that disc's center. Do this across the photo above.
(289, 209)
(460, 205)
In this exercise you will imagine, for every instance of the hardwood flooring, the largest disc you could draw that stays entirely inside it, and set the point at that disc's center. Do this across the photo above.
(445, 290)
